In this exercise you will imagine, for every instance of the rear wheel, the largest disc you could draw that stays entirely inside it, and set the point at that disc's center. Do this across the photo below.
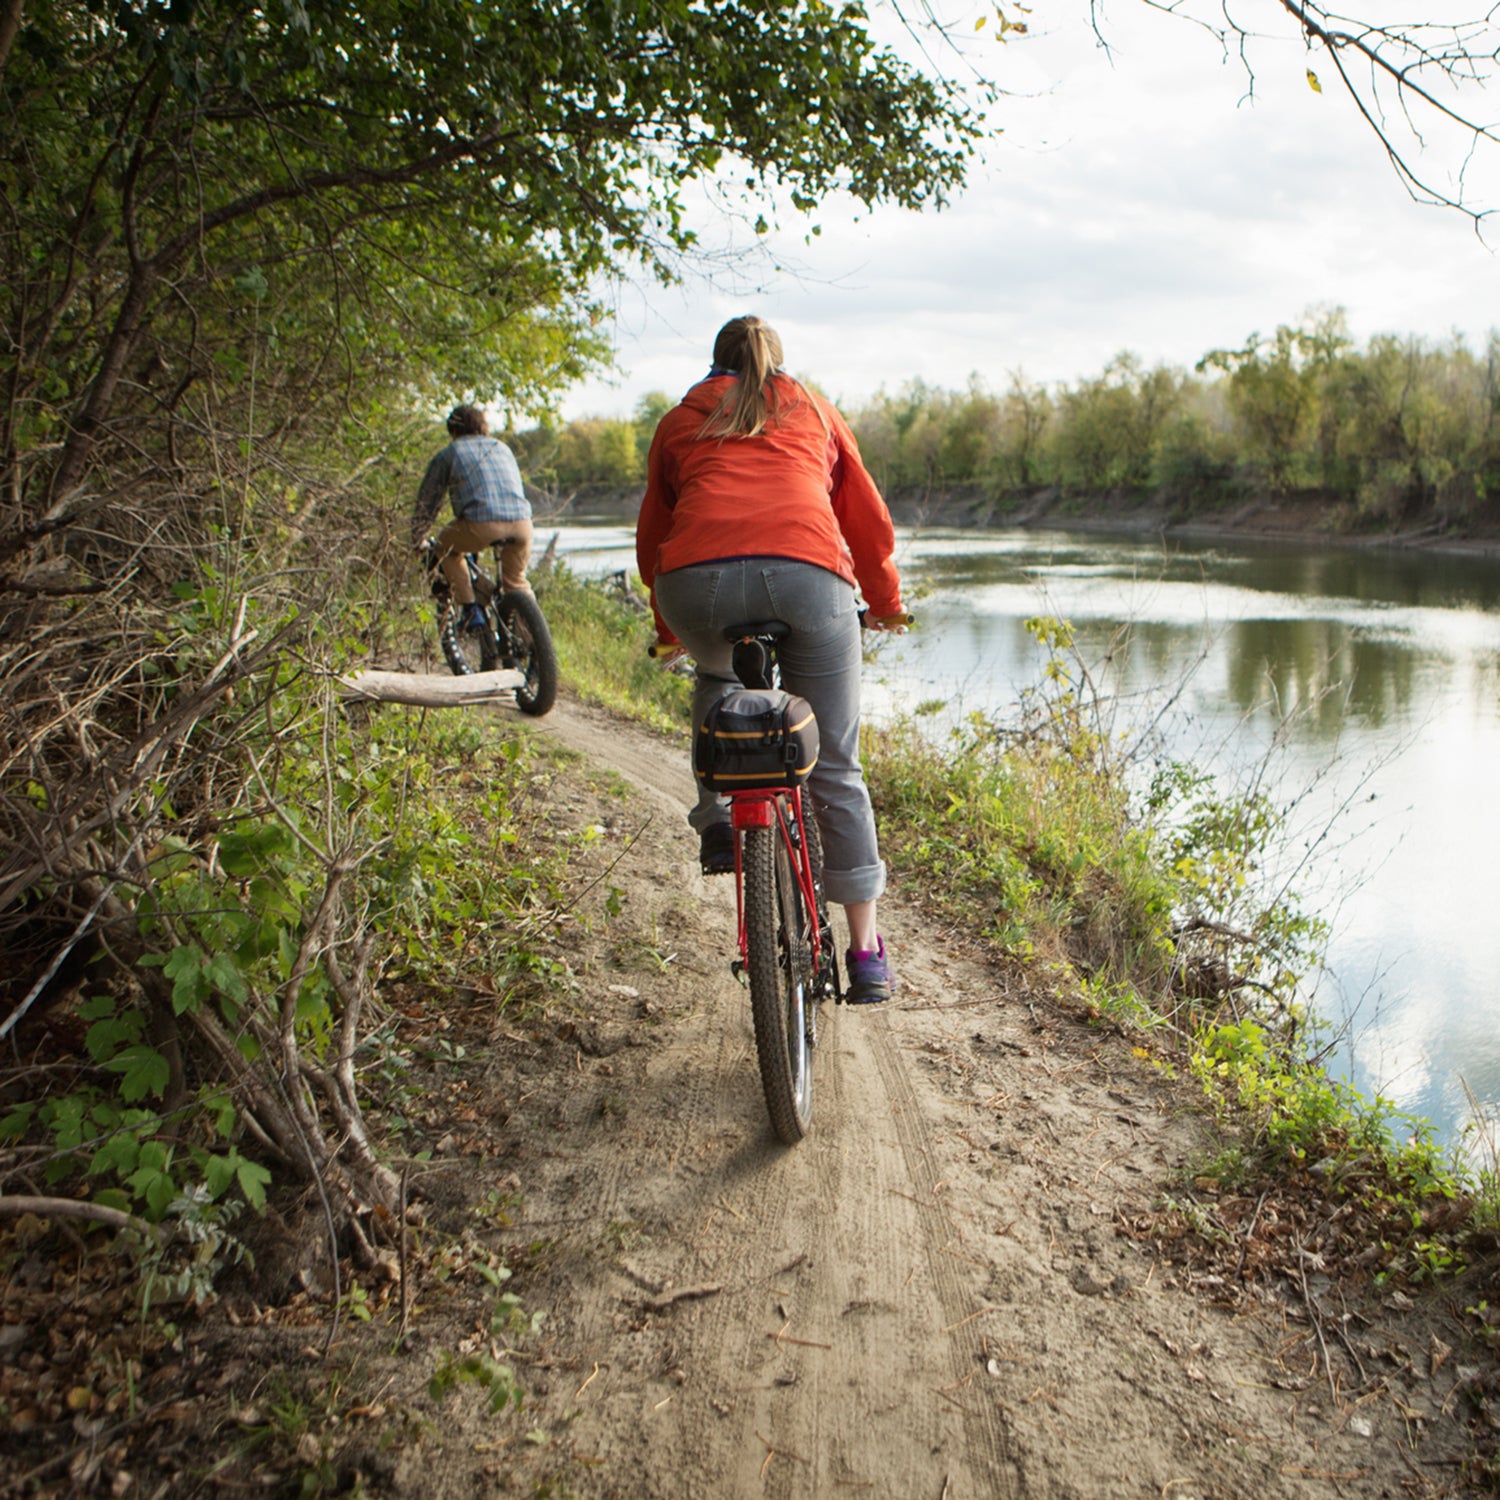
(776, 933)
(526, 645)
(466, 651)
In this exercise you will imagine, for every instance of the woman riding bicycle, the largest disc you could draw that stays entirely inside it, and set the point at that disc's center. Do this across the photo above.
(758, 507)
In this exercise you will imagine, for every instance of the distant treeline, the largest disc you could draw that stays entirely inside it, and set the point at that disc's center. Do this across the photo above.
(1400, 430)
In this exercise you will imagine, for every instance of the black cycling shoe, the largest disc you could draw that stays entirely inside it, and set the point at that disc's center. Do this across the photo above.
(716, 849)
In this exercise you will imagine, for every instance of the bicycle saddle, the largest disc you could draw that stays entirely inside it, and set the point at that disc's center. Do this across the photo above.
(752, 649)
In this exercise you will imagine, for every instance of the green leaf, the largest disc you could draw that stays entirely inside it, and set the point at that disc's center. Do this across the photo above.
(218, 1173)
(18, 1121)
(143, 1071)
(220, 1109)
(254, 1179)
(187, 968)
(252, 285)
(252, 848)
(119, 1154)
(224, 973)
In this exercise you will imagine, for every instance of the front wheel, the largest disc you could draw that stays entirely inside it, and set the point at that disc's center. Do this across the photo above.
(780, 966)
(526, 645)
(466, 651)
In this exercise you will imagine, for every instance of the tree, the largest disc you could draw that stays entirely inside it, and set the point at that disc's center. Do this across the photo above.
(1025, 415)
(649, 411)
(160, 154)
(1108, 430)
(1420, 86)
(1275, 387)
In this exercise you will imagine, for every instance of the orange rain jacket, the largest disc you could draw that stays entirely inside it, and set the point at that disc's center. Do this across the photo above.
(793, 490)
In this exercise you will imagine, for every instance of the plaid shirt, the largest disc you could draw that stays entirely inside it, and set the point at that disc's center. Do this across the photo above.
(481, 477)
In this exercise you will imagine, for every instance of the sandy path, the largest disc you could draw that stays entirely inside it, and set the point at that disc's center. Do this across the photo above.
(939, 1293)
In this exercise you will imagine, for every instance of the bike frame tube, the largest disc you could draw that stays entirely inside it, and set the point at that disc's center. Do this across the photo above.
(764, 808)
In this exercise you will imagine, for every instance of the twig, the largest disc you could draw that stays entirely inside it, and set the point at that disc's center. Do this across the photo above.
(1317, 1323)
(401, 1252)
(772, 1451)
(682, 1294)
(609, 868)
(10, 1021)
(1249, 1235)
(982, 1311)
(779, 1337)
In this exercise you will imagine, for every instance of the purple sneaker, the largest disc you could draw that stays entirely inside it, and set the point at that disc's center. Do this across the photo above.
(869, 975)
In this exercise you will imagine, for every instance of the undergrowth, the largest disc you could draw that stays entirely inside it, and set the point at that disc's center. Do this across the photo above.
(604, 630)
(444, 844)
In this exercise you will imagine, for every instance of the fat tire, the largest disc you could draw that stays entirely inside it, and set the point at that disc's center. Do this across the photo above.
(465, 651)
(525, 634)
(779, 971)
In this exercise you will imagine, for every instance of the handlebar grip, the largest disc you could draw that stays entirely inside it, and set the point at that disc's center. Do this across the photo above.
(904, 618)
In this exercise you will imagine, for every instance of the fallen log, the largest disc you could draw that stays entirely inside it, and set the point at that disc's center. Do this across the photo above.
(430, 690)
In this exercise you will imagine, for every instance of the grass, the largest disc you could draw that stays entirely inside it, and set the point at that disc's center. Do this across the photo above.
(1150, 908)
(603, 634)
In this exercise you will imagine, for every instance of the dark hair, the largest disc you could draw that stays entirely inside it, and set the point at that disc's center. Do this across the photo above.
(468, 421)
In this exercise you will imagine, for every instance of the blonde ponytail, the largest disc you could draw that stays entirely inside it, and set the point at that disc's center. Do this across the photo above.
(750, 349)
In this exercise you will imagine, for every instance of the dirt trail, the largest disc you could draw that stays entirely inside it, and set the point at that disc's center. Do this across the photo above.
(940, 1295)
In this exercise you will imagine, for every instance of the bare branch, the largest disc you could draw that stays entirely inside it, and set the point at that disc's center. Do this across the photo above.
(73, 1208)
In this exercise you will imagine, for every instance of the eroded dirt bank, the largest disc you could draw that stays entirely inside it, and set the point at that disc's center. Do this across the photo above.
(1310, 520)
(951, 1289)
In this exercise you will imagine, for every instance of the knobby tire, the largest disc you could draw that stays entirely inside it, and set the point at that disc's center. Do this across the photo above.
(466, 651)
(526, 643)
(780, 968)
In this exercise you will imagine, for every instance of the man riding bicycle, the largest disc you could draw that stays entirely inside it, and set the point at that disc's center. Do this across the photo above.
(480, 475)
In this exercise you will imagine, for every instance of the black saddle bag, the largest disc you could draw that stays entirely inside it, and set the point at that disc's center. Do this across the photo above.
(756, 738)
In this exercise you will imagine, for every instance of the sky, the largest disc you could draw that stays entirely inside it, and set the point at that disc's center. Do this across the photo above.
(1137, 199)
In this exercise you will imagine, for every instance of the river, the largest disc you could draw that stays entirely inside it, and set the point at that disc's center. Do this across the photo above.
(1364, 684)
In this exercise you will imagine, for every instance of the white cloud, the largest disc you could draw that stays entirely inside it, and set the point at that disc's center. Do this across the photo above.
(1137, 202)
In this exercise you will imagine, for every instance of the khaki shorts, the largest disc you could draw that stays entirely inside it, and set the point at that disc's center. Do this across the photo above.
(478, 536)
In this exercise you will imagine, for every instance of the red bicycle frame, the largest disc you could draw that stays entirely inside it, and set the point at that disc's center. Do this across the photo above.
(768, 808)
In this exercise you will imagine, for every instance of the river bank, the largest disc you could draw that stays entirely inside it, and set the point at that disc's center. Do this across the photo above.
(1312, 521)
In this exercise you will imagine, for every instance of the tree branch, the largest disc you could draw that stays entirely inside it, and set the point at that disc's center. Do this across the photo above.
(75, 1208)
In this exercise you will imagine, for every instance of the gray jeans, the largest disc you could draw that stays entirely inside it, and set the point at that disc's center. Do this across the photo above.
(820, 660)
